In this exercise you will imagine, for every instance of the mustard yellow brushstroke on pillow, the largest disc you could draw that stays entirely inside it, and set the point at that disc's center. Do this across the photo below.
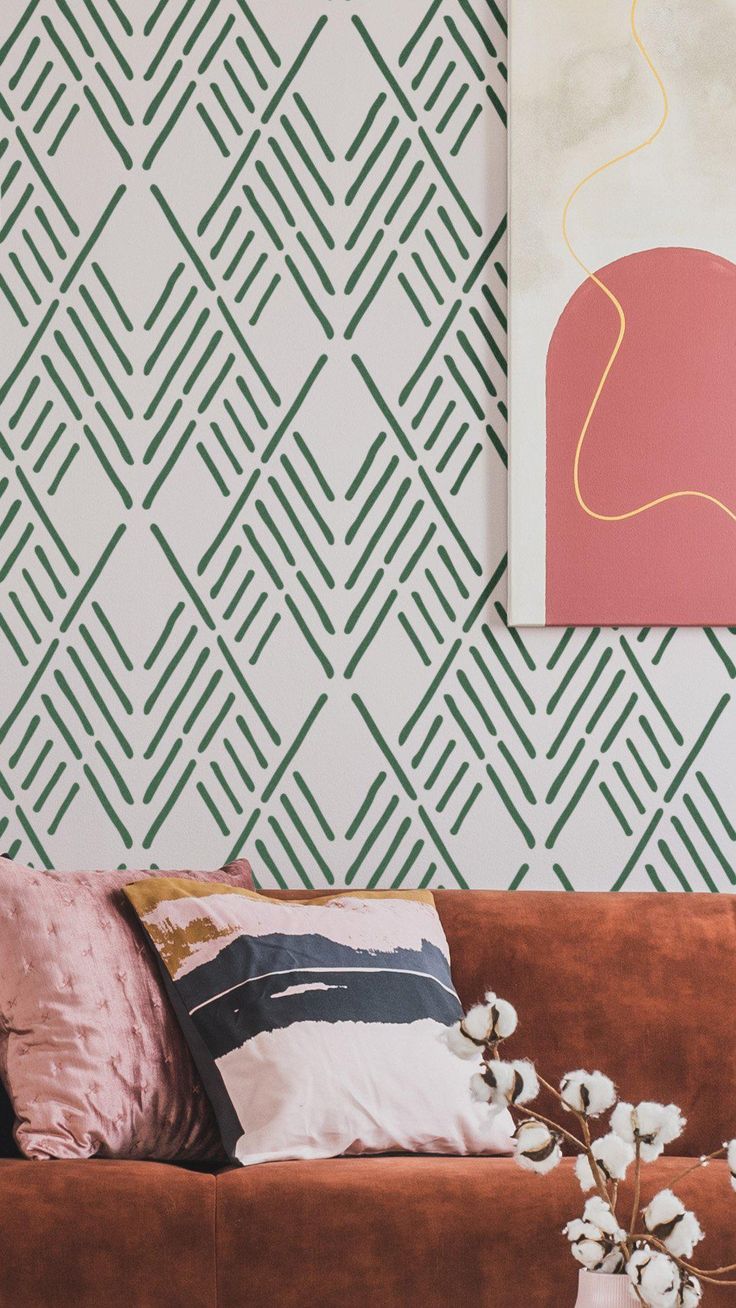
(175, 943)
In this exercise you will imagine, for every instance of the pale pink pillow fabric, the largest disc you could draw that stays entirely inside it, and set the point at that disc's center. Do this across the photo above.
(90, 1051)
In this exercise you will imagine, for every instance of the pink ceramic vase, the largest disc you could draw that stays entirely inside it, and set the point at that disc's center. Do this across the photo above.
(595, 1290)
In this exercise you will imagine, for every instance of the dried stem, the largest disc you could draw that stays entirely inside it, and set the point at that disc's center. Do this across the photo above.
(707, 1274)
(637, 1187)
(560, 1130)
(702, 1162)
(552, 1090)
(601, 1184)
(608, 1190)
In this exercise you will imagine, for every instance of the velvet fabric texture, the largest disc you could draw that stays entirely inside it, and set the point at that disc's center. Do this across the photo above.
(97, 1232)
(642, 986)
(90, 1052)
(391, 1232)
(424, 1233)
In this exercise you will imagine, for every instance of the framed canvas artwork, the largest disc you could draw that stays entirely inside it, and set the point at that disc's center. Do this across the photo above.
(622, 500)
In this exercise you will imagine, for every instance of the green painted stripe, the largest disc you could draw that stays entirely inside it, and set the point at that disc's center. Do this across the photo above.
(294, 748)
(580, 701)
(617, 812)
(371, 633)
(383, 67)
(279, 94)
(571, 805)
(63, 808)
(46, 521)
(717, 806)
(100, 702)
(26, 16)
(708, 836)
(619, 770)
(308, 795)
(176, 567)
(572, 669)
(638, 851)
(618, 724)
(314, 127)
(671, 861)
(169, 804)
(43, 176)
(308, 841)
(365, 806)
(418, 33)
(651, 692)
(429, 694)
(33, 837)
(697, 746)
(692, 851)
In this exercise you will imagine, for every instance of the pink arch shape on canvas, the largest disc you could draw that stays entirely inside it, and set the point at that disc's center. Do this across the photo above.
(665, 421)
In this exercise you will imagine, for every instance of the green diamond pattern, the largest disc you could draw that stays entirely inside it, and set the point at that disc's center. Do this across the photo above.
(252, 475)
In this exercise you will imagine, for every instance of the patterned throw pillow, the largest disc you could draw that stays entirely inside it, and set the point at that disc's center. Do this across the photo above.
(90, 1051)
(317, 1025)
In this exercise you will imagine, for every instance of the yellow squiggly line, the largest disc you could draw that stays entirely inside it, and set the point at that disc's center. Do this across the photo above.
(673, 495)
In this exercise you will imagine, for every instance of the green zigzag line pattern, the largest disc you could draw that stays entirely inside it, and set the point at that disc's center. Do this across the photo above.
(252, 475)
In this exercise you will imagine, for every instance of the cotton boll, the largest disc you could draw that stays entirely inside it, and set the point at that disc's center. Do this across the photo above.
(537, 1148)
(588, 1251)
(613, 1156)
(458, 1043)
(480, 1090)
(585, 1243)
(655, 1276)
(590, 1093)
(479, 1094)
(600, 1213)
(732, 1162)
(612, 1263)
(504, 1016)
(584, 1172)
(591, 1246)
(579, 1229)
(652, 1125)
(672, 1123)
(478, 1023)
(691, 1292)
(622, 1121)
(510, 1083)
(667, 1218)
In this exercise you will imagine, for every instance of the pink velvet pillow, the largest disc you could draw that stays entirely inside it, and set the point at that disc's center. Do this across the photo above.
(90, 1051)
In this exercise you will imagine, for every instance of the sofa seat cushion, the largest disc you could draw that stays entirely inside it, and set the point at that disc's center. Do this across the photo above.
(82, 1233)
(411, 1232)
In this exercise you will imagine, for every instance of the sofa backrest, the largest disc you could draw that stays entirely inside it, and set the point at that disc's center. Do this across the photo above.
(640, 986)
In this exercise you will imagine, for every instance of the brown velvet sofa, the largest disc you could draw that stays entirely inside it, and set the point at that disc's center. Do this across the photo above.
(642, 986)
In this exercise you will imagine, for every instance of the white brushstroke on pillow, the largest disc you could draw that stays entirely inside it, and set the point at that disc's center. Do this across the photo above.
(373, 924)
(303, 990)
(319, 1089)
(263, 976)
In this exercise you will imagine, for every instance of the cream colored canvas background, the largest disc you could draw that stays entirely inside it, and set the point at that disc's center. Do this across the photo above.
(582, 94)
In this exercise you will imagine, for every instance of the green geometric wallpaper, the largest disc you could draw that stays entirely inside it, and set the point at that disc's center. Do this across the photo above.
(252, 475)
